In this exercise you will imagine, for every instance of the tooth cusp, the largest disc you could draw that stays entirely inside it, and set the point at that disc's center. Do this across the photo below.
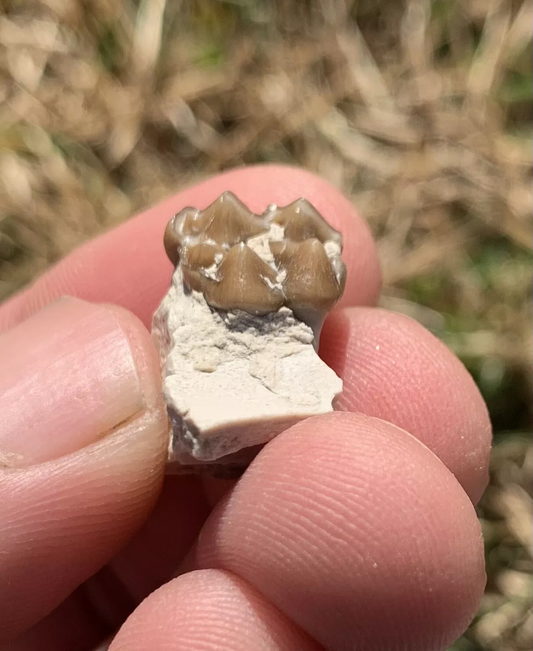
(310, 282)
(228, 221)
(203, 255)
(302, 221)
(246, 283)
(240, 261)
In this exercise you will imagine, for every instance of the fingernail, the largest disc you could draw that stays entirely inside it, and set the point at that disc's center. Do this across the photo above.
(67, 379)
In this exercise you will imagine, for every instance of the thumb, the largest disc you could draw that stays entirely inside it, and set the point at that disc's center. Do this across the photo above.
(83, 439)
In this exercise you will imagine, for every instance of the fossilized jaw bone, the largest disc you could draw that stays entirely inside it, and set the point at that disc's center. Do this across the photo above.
(238, 330)
(241, 261)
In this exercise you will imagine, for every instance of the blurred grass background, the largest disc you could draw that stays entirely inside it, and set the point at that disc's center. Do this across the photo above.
(420, 111)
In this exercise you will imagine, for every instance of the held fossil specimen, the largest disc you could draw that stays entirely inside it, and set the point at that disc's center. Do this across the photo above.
(238, 329)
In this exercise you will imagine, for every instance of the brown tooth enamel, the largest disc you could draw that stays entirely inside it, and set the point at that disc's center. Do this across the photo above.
(340, 274)
(172, 241)
(194, 279)
(238, 278)
(228, 221)
(243, 283)
(310, 282)
(192, 223)
(201, 255)
(302, 221)
(286, 252)
(282, 252)
(184, 223)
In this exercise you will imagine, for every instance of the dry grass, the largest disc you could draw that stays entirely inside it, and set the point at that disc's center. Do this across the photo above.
(419, 110)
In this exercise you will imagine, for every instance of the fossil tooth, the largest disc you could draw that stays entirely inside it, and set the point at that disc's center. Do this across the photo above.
(340, 273)
(310, 282)
(172, 240)
(310, 274)
(201, 239)
(283, 251)
(228, 221)
(183, 224)
(238, 330)
(196, 280)
(302, 221)
(203, 255)
(246, 283)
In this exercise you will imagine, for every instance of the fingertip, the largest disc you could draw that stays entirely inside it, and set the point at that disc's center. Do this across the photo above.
(356, 531)
(64, 519)
(143, 353)
(209, 609)
(85, 434)
(396, 370)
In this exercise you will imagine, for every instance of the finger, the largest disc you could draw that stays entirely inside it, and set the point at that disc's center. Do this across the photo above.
(394, 369)
(100, 606)
(209, 610)
(357, 532)
(128, 266)
(152, 556)
(83, 381)
(72, 625)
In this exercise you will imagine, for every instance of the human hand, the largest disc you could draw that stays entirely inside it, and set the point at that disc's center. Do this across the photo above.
(352, 531)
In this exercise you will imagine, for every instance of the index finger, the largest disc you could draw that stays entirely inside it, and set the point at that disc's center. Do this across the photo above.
(128, 265)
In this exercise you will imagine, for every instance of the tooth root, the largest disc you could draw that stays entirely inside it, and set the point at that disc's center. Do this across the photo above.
(302, 221)
(311, 282)
(228, 221)
(201, 255)
(243, 284)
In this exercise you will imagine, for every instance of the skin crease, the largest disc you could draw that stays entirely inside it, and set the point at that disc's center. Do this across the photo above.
(217, 611)
(346, 529)
(82, 507)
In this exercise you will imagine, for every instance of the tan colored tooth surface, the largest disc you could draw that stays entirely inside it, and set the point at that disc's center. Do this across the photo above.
(244, 283)
(172, 240)
(195, 279)
(310, 274)
(228, 221)
(302, 221)
(186, 223)
(202, 255)
(310, 282)
(223, 252)
(192, 223)
(341, 276)
(283, 251)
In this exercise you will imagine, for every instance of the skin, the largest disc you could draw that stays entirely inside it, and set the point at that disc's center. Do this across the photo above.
(355, 530)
